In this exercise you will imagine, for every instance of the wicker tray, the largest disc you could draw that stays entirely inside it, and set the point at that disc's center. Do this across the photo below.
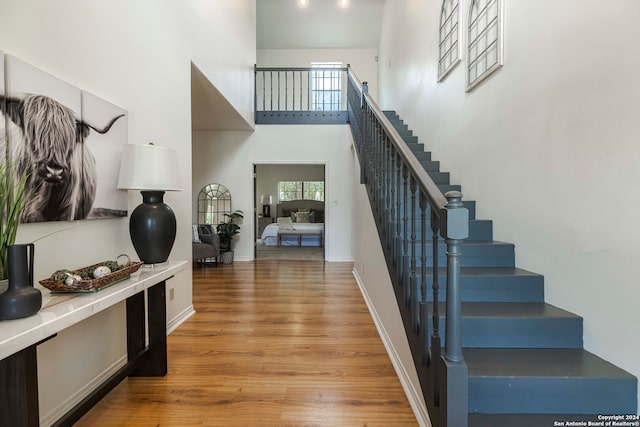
(92, 285)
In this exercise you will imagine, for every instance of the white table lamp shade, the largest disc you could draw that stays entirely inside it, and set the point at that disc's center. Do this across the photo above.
(149, 167)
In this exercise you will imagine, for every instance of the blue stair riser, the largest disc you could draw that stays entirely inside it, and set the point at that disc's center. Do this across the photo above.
(444, 188)
(469, 204)
(533, 332)
(411, 140)
(472, 255)
(478, 229)
(431, 165)
(568, 395)
(490, 289)
(420, 154)
(440, 178)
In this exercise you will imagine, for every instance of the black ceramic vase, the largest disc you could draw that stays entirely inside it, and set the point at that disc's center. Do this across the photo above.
(21, 299)
(152, 227)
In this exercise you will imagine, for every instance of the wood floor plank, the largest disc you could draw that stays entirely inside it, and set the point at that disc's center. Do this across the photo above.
(272, 343)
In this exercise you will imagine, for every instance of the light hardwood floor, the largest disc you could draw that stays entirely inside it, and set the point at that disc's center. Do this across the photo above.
(273, 343)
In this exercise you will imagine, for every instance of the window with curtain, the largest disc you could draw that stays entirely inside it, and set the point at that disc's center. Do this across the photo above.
(326, 86)
(300, 190)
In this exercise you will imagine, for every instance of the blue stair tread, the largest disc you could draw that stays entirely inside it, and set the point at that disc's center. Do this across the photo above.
(563, 363)
(547, 380)
(513, 310)
(489, 271)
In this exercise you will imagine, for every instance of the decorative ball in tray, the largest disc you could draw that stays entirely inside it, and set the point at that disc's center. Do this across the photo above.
(92, 278)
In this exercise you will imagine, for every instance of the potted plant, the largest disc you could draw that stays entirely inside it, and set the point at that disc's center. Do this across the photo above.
(11, 204)
(226, 230)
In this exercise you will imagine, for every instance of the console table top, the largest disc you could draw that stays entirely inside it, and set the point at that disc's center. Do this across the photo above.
(61, 310)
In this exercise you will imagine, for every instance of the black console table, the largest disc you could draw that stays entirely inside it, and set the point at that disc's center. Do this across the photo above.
(19, 340)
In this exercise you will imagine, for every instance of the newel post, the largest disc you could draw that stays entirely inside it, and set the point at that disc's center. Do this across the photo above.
(454, 405)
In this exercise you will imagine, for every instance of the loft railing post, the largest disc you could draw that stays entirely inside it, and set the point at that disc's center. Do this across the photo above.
(413, 278)
(436, 342)
(454, 375)
(397, 257)
(423, 318)
(404, 264)
(387, 189)
(363, 107)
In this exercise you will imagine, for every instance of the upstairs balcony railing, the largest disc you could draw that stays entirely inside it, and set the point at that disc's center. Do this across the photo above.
(314, 95)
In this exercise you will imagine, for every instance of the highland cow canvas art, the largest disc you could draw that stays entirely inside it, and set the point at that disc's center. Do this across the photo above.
(55, 140)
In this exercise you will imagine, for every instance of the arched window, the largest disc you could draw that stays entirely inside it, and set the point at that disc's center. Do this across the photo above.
(214, 201)
(449, 47)
(485, 40)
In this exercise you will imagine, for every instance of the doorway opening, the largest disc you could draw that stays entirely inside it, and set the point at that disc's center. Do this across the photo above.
(289, 211)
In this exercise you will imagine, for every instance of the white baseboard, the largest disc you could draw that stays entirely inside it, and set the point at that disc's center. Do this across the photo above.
(67, 404)
(173, 324)
(414, 396)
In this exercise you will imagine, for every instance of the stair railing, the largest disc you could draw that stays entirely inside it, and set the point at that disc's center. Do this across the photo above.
(302, 95)
(404, 198)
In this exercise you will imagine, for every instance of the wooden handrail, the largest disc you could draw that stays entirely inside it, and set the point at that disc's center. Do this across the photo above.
(434, 195)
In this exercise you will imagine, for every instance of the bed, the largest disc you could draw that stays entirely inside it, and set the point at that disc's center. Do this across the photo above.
(298, 223)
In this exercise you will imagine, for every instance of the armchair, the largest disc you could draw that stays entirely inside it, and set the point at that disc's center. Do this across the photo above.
(209, 245)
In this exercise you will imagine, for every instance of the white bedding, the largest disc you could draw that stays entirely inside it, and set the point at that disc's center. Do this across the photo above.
(270, 234)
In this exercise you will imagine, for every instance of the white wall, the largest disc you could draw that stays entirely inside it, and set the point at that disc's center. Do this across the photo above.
(370, 270)
(136, 55)
(228, 157)
(363, 61)
(548, 146)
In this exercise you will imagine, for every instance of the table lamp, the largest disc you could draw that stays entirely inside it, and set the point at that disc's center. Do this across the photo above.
(152, 169)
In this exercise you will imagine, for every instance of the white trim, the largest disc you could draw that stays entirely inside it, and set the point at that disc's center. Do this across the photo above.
(67, 404)
(499, 47)
(416, 401)
(443, 74)
(327, 193)
(174, 323)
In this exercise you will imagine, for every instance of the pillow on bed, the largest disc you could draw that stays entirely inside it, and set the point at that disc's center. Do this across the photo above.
(283, 220)
(302, 216)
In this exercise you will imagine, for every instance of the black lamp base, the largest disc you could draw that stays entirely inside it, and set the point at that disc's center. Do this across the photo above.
(152, 227)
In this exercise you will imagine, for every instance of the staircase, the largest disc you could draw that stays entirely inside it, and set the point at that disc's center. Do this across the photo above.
(526, 361)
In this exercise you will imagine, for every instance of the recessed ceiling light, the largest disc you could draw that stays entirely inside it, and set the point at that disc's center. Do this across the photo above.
(343, 3)
(303, 3)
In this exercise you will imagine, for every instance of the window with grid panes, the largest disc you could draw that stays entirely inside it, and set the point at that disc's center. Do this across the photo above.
(300, 190)
(449, 47)
(484, 40)
(326, 86)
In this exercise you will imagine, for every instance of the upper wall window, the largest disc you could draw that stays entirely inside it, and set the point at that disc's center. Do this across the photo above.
(326, 86)
(300, 190)
(485, 40)
(449, 37)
